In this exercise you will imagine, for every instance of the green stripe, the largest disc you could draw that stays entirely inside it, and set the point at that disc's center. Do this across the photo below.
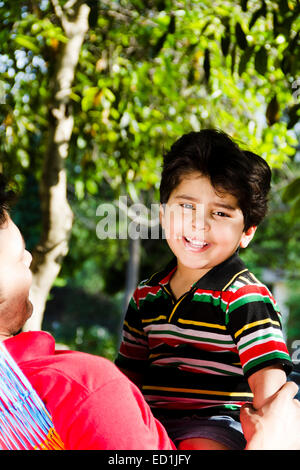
(251, 298)
(265, 358)
(209, 298)
(150, 297)
(133, 304)
(255, 340)
(232, 407)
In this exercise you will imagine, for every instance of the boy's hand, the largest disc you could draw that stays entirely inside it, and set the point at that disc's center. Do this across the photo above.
(275, 426)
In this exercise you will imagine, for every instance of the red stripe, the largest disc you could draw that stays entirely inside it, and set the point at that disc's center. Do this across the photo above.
(130, 351)
(166, 279)
(145, 290)
(260, 349)
(141, 293)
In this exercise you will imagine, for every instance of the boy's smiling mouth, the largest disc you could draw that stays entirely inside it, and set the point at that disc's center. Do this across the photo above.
(194, 244)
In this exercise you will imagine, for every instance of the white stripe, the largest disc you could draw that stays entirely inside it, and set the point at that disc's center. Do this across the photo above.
(187, 332)
(136, 340)
(263, 296)
(207, 294)
(205, 365)
(238, 284)
(262, 355)
(258, 334)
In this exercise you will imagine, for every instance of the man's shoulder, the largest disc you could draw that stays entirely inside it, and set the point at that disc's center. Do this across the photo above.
(47, 367)
(84, 372)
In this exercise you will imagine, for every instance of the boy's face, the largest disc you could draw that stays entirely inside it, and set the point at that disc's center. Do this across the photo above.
(202, 227)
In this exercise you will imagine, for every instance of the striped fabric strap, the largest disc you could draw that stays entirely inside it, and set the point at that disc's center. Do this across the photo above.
(25, 423)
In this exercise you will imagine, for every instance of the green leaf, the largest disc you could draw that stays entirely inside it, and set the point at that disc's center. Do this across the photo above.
(92, 186)
(109, 94)
(261, 60)
(262, 11)
(240, 37)
(291, 191)
(23, 157)
(79, 189)
(27, 42)
(87, 101)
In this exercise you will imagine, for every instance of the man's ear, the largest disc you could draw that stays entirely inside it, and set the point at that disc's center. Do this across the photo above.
(247, 236)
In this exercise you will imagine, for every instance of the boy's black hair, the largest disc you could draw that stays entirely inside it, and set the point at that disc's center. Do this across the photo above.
(7, 196)
(213, 153)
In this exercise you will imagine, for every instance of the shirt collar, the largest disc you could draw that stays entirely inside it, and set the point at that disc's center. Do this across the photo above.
(217, 279)
(222, 275)
(29, 345)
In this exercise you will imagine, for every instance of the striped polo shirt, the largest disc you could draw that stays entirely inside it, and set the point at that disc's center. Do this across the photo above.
(196, 352)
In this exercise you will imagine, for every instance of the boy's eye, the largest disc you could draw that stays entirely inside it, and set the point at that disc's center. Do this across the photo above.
(186, 205)
(221, 214)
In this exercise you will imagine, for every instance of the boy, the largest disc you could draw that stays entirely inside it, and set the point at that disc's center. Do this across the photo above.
(203, 336)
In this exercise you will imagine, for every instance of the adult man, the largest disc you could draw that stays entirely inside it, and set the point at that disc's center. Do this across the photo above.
(92, 404)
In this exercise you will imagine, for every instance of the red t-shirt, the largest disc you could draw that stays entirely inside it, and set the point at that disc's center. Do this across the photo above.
(92, 404)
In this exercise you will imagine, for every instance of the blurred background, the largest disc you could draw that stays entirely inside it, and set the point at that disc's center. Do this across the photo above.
(92, 93)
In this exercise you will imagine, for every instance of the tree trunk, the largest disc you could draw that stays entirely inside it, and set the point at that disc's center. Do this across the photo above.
(56, 212)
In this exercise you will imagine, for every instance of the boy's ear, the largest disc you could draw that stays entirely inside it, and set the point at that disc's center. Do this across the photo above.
(247, 236)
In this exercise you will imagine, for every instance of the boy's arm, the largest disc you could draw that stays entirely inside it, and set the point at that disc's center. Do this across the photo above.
(265, 383)
(253, 320)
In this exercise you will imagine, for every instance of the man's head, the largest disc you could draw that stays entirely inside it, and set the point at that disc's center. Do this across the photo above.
(6, 197)
(230, 169)
(15, 274)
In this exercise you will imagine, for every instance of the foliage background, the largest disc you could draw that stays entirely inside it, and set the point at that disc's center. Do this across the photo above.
(148, 71)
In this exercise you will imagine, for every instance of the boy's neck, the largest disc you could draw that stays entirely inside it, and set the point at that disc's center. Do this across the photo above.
(184, 278)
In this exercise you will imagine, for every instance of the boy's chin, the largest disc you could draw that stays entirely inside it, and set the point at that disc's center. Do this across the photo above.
(194, 264)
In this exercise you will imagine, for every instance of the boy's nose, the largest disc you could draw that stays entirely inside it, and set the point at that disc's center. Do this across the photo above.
(200, 220)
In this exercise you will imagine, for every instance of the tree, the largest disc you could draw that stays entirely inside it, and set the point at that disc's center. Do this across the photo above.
(88, 105)
(57, 214)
